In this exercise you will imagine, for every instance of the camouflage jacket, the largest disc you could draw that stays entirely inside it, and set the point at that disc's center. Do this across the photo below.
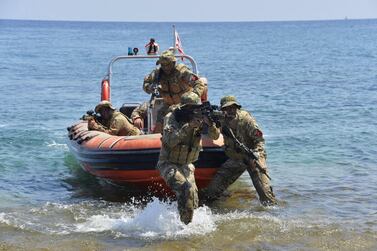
(140, 112)
(247, 131)
(181, 142)
(118, 125)
(172, 86)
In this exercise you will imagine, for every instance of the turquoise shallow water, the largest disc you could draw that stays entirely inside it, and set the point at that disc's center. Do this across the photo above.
(311, 85)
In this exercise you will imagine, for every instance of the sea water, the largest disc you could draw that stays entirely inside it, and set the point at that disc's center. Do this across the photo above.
(312, 87)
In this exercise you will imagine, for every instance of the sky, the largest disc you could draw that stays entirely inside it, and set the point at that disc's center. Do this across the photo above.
(193, 10)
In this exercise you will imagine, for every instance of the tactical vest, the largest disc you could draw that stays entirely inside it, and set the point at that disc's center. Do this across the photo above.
(185, 152)
(241, 129)
(174, 85)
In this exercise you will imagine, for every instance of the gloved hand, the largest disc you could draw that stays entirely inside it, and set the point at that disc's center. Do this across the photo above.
(139, 123)
(92, 124)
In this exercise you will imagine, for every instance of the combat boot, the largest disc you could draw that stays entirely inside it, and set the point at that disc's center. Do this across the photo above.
(187, 202)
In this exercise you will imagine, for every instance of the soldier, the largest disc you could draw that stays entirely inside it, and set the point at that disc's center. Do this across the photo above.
(180, 148)
(244, 129)
(112, 122)
(172, 80)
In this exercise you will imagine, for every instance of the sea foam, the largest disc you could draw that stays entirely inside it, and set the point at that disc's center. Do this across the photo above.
(53, 144)
(156, 220)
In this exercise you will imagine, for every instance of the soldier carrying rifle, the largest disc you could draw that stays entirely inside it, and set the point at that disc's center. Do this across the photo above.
(180, 148)
(172, 80)
(111, 121)
(244, 145)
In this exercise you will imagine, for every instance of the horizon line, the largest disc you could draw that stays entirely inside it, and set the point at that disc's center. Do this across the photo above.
(214, 21)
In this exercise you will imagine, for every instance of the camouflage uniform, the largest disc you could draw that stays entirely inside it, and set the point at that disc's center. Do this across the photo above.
(247, 131)
(172, 85)
(140, 112)
(118, 124)
(180, 148)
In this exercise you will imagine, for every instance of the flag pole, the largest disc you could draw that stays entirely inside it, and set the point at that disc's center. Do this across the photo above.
(174, 42)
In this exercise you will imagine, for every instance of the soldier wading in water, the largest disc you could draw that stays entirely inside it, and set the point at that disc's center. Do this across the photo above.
(242, 138)
(180, 148)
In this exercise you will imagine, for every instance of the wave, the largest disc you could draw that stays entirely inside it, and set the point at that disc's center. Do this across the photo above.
(156, 220)
(3, 219)
(53, 144)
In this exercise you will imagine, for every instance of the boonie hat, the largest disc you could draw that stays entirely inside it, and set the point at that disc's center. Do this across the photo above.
(102, 104)
(166, 56)
(190, 98)
(228, 101)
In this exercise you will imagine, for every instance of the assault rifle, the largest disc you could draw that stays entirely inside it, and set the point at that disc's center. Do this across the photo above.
(155, 86)
(212, 112)
(91, 115)
(250, 153)
(155, 94)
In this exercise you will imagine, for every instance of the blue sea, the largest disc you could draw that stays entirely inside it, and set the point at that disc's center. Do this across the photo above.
(312, 86)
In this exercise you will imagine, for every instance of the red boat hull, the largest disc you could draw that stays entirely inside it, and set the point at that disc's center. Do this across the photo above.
(132, 160)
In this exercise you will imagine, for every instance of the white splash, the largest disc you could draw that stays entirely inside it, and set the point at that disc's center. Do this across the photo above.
(11, 220)
(3, 219)
(158, 220)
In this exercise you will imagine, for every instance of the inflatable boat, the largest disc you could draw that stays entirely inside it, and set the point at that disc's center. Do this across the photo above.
(131, 160)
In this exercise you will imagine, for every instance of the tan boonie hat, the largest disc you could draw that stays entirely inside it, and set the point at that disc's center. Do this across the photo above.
(166, 56)
(190, 98)
(102, 104)
(228, 101)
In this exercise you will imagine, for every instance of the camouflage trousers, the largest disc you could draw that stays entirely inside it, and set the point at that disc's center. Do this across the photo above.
(160, 118)
(230, 171)
(181, 180)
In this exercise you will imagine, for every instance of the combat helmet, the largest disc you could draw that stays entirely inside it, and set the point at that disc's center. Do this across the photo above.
(190, 98)
(102, 104)
(166, 56)
(228, 101)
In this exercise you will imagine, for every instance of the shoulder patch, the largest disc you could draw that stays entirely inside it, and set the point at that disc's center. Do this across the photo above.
(258, 133)
(194, 77)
